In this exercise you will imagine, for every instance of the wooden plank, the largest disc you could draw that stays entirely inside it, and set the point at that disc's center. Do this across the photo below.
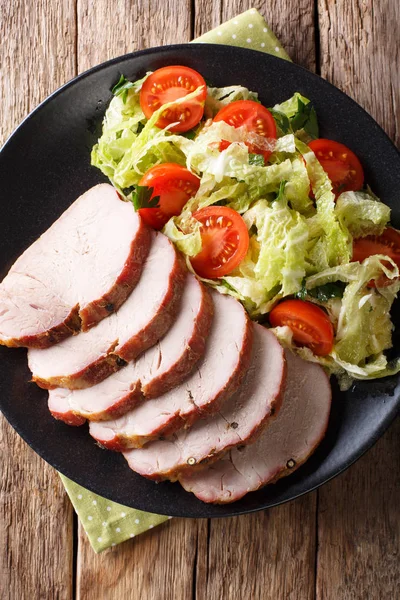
(358, 526)
(36, 518)
(36, 524)
(263, 556)
(109, 29)
(360, 53)
(157, 564)
(291, 21)
(37, 55)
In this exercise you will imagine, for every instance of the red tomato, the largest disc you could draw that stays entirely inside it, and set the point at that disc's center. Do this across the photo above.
(169, 84)
(174, 185)
(388, 243)
(255, 117)
(225, 241)
(310, 324)
(340, 163)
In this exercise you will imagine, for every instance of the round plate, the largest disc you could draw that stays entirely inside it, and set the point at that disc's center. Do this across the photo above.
(45, 166)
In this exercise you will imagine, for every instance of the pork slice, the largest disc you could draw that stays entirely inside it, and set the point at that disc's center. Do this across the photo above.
(215, 378)
(284, 445)
(240, 420)
(147, 314)
(78, 272)
(159, 369)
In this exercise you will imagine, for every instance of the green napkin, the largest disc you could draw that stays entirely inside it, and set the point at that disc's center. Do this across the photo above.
(108, 523)
(248, 30)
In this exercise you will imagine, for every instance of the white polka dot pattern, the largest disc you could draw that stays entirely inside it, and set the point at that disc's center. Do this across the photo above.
(235, 33)
(107, 523)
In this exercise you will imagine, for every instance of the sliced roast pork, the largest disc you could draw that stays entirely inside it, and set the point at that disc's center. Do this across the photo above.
(239, 421)
(285, 444)
(78, 272)
(147, 314)
(215, 378)
(160, 368)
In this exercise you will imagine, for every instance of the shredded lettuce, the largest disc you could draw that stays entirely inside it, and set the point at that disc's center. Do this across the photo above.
(362, 214)
(300, 243)
(217, 98)
(138, 151)
(335, 245)
(282, 236)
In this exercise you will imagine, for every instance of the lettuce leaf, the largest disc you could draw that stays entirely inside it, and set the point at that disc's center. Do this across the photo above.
(217, 98)
(362, 214)
(124, 153)
(282, 235)
(335, 245)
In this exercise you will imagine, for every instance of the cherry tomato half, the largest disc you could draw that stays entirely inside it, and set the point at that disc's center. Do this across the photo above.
(310, 324)
(255, 117)
(340, 163)
(225, 241)
(174, 185)
(169, 84)
(388, 243)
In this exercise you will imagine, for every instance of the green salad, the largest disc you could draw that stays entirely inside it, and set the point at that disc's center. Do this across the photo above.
(318, 260)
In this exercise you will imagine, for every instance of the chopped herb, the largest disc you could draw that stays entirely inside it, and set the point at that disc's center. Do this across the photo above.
(257, 160)
(141, 198)
(305, 120)
(322, 293)
(191, 134)
(121, 88)
(281, 120)
(128, 190)
(253, 230)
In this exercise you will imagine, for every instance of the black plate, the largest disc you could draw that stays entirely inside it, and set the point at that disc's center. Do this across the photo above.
(45, 166)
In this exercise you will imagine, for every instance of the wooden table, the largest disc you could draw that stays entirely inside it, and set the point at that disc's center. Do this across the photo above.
(341, 542)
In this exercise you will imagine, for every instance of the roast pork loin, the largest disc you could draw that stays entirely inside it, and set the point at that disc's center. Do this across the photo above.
(215, 378)
(159, 369)
(78, 272)
(240, 420)
(284, 445)
(88, 358)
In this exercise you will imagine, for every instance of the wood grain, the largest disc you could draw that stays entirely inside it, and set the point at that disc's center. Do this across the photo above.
(108, 29)
(268, 555)
(36, 522)
(158, 564)
(360, 53)
(292, 22)
(359, 527)
(37, 55)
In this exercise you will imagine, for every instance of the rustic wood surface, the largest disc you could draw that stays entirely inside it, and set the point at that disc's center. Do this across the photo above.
(339, 543)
